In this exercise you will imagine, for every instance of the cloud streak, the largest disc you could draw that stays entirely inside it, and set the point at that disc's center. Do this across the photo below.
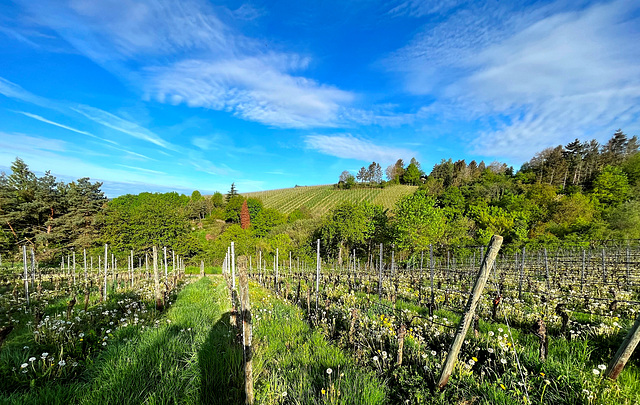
(46, 121)
(349, 147)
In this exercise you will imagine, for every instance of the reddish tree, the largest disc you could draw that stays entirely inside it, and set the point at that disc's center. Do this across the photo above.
(245, 218)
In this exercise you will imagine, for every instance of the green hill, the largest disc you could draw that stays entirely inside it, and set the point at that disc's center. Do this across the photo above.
(320, 199)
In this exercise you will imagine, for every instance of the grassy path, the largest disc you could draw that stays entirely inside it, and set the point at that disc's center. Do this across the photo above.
(191, 356)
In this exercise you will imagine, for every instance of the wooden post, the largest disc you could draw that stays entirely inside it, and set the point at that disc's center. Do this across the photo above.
(625, 351)
(317, 274)
(156, 279)
(546, 268)
(233, 266)
(604, 268)
(246, 330)
(106, 268)
(584, 256)
(521, 274)
(380, 276)
(401, 333)
(432, 302)
(483, 275)
(627, 267)
(201, 268)
(26, 276)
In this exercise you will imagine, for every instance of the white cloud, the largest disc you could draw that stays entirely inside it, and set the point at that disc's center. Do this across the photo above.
(349, 147)
(421, 8)
(120, 124)
(181, 52)
(532, 78)
(141, 169)
(257, 89)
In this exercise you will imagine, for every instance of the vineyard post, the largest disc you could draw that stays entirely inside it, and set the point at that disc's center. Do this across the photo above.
(164, 252)
(173, 260)
(201, 268)
(584, 256)
(33, 267)
(289, 263)
(625, 351)
(483, 275)
(604, 268)
(393, 259)
(84, 253)
(246, 330)
(275, 268)
(106, 265)
(146, 263)
(546, 268)
(156, 279)
(522, 256)
(233, 265)
(380, 276)
(131, 268)
(431, 279)
(317, 274)
(26, 276)
(627, 266)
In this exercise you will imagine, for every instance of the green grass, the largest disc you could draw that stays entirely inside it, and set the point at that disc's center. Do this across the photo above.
(192, 356)
(321, 199)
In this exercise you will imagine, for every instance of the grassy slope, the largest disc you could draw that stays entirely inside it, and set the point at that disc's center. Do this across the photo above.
(320, 199)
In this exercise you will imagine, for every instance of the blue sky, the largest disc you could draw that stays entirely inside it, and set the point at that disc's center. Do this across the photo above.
(166, 95)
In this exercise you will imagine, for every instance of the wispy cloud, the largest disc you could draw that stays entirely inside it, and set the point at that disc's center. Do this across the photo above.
(532, 77)
(349, 147)
(181, 52)
(12, 90)
(141, 169)
(122, 125)
(256, 88)
(16, 142)
(57, 124)
(421, 8)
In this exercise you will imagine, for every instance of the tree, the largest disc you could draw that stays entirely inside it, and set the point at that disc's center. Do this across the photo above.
(411, 175)
(374, 173)
(418, 222)
(266, 220)
(362, 175)
(232, 192)
(217, 199)
(232, 209)
(346, 180)
(611, 186)
(245, 220)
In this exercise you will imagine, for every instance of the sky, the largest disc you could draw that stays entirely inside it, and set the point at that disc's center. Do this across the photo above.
(187, 95)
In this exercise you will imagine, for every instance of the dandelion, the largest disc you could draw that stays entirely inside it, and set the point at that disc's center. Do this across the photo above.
(491, 333)
(490, 350)
(433, 352)
(81, 334)
(503, 387)
(104, 343)
(32, 359)
(329, 371)
(375, 358)
(500, 330)
(26, 347)
(75, 364)
(503, 361)
(547, 382)
(44, 355)
(24, 365)
(472, 362)
(596, 371)
(284, 394)
(62, 363)
(323, 391)
(602, 367)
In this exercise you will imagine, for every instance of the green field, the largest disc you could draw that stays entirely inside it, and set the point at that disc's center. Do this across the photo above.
(320, 199)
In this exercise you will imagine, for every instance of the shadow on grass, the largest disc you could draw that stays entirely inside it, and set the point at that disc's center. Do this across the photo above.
(221, 369)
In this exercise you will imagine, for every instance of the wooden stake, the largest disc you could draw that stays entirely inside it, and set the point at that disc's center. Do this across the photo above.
(625, 351)
(463, 327)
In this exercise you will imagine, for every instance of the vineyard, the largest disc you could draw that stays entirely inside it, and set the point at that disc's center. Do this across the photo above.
(321, 199)
(546, 327)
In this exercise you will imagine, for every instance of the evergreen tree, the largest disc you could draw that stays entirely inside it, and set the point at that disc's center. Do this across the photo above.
(232, 192)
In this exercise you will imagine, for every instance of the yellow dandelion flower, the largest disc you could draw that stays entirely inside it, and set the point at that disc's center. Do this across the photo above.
(503, 387)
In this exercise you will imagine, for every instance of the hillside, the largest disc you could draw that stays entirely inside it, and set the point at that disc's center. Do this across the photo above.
(320, 199)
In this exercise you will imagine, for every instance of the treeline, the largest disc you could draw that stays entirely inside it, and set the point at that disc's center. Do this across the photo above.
(371, 176)
(47, 214)
(577, 192)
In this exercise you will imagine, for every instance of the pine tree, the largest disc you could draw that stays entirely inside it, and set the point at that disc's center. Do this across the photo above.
(232, 193)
